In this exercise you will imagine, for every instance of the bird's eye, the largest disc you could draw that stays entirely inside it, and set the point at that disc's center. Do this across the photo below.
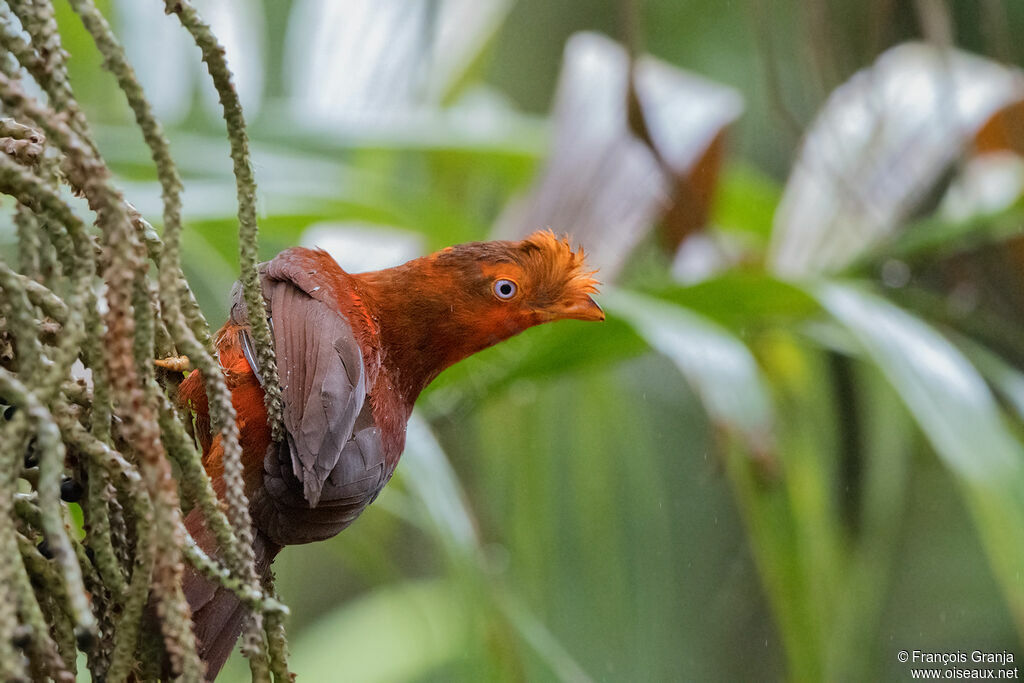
(505, 289)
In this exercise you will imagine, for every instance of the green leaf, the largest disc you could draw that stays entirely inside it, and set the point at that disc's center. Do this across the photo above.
(1007, 380)
(746, 201)
(428, 475)
(545, 352)
(718, 366)
(398, 633)
(943, 391)
(934, 237)
(437, 497)
(740, 300)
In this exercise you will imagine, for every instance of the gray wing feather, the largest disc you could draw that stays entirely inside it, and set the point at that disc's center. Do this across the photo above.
(332, 458)
(321, 402)
(282, 513)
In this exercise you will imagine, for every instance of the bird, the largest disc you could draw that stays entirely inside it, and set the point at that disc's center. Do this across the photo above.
(354, 351)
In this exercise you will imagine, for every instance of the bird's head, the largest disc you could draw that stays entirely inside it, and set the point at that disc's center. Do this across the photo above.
(468, 297)
(504, 287)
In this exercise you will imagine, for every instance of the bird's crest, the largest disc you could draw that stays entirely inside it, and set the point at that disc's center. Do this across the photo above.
(543, 250)
(555, 268)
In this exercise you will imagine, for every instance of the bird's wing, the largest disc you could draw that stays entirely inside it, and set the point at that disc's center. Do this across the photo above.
(281, 511)
(328, 461)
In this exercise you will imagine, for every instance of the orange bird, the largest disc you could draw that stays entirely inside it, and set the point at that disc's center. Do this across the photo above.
(354, 351)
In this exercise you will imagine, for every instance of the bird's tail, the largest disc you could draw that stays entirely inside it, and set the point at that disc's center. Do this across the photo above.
(217, 614)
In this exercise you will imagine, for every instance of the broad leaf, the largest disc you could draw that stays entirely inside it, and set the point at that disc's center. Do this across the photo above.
(718, 366)
(544, 352)
(603, 183)
(879, 151)
(398, 633)
(943, 391)
(742, 300)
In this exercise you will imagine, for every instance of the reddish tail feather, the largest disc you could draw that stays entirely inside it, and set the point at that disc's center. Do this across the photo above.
(217, 614)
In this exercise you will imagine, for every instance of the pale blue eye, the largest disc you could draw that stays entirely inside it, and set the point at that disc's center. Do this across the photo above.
(505, 289)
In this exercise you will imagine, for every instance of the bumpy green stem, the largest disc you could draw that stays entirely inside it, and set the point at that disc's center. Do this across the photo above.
(123, 432)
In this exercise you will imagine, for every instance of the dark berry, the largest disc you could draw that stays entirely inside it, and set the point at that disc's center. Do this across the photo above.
(71, 491)
(85, 639)
(22, 637)
(31, 457)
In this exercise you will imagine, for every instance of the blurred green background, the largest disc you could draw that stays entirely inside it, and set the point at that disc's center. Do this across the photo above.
(738, 476)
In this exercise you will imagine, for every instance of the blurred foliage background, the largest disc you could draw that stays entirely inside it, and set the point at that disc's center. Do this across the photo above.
(794, 448)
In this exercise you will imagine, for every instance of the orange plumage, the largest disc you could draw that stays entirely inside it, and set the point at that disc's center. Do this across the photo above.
(354, 352)
(250, 411)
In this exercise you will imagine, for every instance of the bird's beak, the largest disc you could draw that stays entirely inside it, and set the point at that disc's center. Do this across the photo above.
(584, 308)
